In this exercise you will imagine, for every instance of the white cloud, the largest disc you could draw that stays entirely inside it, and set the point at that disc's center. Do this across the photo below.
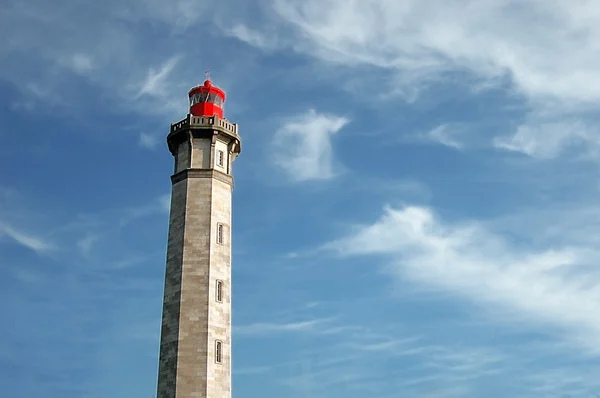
(551, 287)
(303, 146)
(79, 63)
(578, 382)
(443, 136)
(130, 70)
(551, 58)
(551, 64)
(253, 37)
(156, 83)
(346, 359)
(29, 241)
(86, 243)
(348, 362)
(253, 371)
(269, 328)
(546, 140)
(159, 205)
(148, 141)
(39, 93)
(165, 202)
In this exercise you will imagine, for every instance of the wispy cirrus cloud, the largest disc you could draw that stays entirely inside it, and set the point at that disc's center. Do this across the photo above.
(252, 371)
(78, 62)
(549, 139)
(547, 68)
(148, 141)
(443, 135)
(271, 328)
(425, 39)
(80, 234)
(106, 55)
(30, 241)
(98, 295)
(347, 362)
(86, 243)
(304, 146)
(156, 82)
(369, 356)
(551, 286)
(159, 205)
(253, 37)
(103, 226)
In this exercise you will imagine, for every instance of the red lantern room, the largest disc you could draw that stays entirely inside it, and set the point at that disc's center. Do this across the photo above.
(207, 100)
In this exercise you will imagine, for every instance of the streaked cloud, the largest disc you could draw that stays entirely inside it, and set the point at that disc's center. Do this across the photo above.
(148, 141)
(86, 243)
(548, 140)
(270, 328)
(542, 285)
(156, 83)
(165, 202)
(426, 39)
(252, 371)
(253, 37)
(153, 207)
(443, 136)
(30, 241)
(121, 65)
(79, 63)
(304, 148)
(350, 366)
(492, 45)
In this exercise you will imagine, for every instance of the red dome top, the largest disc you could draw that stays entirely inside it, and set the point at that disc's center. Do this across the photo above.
(206, 100)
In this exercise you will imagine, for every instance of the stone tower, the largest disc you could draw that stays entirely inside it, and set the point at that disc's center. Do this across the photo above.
(195, 344)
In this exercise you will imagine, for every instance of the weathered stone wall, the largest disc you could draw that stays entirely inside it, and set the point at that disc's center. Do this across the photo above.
(182, 160)
(169, 348)
(201, 153)
(219, 315)
(193, 319)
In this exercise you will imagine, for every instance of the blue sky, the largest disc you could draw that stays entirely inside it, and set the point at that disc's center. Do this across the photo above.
(415, 211)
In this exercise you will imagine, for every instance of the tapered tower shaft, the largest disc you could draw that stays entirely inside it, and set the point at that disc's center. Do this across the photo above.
(195, 346)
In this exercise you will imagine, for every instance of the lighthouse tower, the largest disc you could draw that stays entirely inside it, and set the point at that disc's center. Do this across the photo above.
(195, 343)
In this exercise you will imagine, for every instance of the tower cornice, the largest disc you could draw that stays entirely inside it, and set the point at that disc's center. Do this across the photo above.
(203, 127)
(202, 173)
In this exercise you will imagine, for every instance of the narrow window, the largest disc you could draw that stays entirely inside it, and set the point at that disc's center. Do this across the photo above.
(218, 352)
(220, 234)
(220, 160)
(219, 292)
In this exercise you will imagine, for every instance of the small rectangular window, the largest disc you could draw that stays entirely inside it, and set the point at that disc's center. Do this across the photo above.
(218, 352)
(220, 234)
(219, 292)
(220, 159)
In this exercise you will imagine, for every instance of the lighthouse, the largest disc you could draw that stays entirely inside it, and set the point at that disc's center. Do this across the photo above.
(195, 342)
